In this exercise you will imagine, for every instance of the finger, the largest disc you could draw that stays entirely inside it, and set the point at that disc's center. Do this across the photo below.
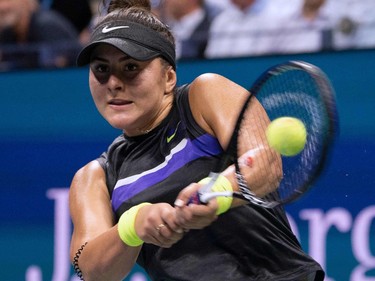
(169, 234)
(169, 218)
(184, 196)
(196, 216)
(191, 212)
(173, 225)
(165, 236)
(202, 210)
(156, 235)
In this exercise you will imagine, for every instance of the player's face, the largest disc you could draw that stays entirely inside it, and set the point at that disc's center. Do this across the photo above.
(131, 95)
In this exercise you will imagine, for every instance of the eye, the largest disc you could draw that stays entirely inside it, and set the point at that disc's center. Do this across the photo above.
(101, 71)
(99, 67)
(130, 67)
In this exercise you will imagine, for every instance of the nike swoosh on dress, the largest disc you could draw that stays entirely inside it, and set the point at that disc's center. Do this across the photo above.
(169, 138)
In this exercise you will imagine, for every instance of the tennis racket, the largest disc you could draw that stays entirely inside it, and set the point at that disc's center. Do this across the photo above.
(293, 89)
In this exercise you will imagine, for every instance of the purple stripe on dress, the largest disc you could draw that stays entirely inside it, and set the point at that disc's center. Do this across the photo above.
(205, 145)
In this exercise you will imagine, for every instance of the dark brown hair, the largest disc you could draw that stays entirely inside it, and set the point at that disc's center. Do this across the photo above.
(138, 11)
(126, 4)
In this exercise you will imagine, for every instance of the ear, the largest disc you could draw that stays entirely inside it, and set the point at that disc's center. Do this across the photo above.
(171, 80)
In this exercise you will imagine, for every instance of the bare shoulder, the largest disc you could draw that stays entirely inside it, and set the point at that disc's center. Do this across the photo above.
(91, 172)
(214, 100)
(214, 84)
(88, 186)
(216, 90)
(92, 166)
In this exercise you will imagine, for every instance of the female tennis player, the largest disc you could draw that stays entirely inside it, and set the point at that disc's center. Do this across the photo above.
(123, 203)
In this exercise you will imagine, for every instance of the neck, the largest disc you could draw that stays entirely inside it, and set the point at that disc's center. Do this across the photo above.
(158, 118)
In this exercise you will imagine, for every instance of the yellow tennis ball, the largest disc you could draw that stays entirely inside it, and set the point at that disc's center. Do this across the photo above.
(287, 135)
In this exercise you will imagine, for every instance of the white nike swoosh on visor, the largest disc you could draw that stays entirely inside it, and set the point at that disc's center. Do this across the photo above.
(107, 29)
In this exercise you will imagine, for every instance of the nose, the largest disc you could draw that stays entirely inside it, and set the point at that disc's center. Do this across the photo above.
(114, 83)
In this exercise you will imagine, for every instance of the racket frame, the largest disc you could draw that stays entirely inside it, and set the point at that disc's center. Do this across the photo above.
(328, 97)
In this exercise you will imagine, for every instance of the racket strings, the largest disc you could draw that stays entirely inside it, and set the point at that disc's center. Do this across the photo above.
(297, 94)
(271, 160)
(256, 167)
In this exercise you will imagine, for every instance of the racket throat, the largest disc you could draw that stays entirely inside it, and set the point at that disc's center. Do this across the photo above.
(250, 196)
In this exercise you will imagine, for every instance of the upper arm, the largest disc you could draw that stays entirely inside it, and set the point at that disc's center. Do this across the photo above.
(89, 204)
(215, 103)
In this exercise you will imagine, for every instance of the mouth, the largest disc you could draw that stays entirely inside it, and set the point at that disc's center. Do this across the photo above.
(119, 102)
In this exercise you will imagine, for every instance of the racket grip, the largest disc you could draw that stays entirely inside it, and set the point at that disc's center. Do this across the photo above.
(195, 199)
(207, 184)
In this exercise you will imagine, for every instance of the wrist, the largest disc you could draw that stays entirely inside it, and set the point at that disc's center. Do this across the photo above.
(126, 226)
(221, 184)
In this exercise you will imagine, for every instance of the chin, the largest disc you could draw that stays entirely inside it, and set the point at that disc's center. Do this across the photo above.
(118, 126)
(119, 122)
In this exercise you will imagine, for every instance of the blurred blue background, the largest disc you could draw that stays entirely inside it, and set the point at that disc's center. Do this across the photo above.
(49, 128)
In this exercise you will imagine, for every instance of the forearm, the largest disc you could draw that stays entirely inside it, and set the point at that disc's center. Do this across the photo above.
(262, 171)
(112, 254)
(107, 257)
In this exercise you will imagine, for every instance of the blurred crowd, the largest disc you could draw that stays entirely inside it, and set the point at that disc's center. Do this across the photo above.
(50, 33)
(42, 33)
(235, 28)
